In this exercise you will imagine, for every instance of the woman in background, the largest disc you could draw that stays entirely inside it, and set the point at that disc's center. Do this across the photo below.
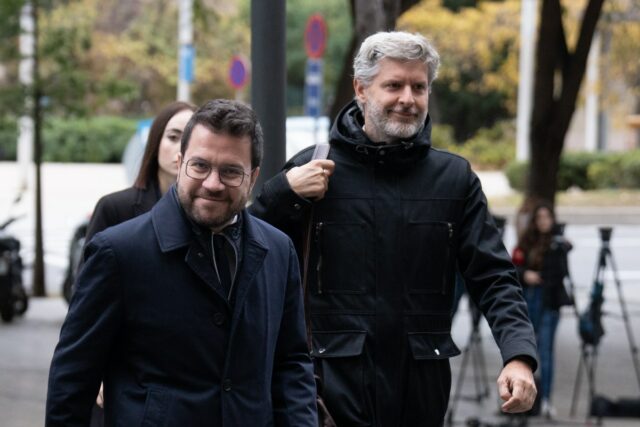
(541, 259)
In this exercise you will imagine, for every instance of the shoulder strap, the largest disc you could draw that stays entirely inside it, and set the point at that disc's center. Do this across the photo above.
(306, 248)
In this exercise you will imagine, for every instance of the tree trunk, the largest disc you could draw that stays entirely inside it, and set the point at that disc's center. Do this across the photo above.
(368, 17)
(559, 74)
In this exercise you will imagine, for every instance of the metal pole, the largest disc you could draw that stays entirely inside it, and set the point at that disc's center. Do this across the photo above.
(185, 49)
(528, 18)
(268, 81)
(39, 286)
(25, 75)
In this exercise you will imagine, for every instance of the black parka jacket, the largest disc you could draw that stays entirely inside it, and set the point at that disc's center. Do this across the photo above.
(386, 239)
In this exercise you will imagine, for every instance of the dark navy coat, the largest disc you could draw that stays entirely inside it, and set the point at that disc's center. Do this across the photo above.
(149, 319)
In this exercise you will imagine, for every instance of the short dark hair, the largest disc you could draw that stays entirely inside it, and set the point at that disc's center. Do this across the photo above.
(148, 172)
(230, 117)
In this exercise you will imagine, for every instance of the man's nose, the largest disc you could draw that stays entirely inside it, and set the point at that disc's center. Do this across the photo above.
(213, 182)
(406, 96)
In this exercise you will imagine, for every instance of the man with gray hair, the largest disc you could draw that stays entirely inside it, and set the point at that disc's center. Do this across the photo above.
(382, 226)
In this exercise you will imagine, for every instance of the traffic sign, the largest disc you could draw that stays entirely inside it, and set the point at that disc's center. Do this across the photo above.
(315, 36)
(313, 88)
(238, 73)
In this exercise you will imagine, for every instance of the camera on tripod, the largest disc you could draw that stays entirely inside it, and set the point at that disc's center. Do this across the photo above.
(605, 234)
(591, 331)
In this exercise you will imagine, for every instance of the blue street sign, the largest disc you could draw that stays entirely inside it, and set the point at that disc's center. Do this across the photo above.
(313, 88)
(187, 58)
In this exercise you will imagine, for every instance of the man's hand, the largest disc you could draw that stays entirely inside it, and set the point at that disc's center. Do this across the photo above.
(532, 278)
(311, 180)
(516, 387)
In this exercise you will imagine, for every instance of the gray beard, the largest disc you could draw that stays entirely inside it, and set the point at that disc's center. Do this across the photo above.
(389, 130)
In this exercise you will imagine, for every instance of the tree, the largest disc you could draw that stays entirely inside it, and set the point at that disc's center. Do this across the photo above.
(478, 46)
(559, 72)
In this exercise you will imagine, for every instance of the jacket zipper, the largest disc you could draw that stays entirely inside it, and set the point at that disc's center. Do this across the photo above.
(319, 263)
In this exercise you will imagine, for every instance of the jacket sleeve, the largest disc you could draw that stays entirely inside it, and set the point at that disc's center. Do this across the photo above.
(79, 360)
(293, 388)
(492, 280)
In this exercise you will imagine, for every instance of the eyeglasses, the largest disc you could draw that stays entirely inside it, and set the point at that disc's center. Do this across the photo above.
(230, 176)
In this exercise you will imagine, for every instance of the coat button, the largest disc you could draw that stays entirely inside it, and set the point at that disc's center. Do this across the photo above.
(226, 385)
(218, 319)
(297, 206)
(200, 254)
(382, 152)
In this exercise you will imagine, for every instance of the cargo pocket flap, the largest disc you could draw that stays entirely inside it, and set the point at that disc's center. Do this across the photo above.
(432, 346)
(338, 344)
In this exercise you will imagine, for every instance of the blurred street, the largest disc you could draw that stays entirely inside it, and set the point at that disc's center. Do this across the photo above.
(71, 190)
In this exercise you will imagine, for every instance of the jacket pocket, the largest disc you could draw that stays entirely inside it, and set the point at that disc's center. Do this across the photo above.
(431, 345)
(428, 258)
(336, 243)
(155, 408)
(429, 377)
(339, 356)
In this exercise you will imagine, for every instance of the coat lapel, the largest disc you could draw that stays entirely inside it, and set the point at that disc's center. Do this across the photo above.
(254, 252)
(173, 232)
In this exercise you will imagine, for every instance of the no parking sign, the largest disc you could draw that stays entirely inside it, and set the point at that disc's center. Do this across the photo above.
(238, 73)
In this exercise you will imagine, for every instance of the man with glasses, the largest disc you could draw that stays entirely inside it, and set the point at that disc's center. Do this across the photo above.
(191, 313)
(383, 225)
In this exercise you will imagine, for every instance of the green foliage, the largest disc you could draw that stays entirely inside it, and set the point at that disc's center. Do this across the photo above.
(96, 140)
(620, 170)
(573, 170)
(478, 47)
(517, 174)
(442, 137)
(8, 138)
(586, 171)
(489, 148)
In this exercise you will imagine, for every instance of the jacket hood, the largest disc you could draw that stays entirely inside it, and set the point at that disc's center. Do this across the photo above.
(347, 131)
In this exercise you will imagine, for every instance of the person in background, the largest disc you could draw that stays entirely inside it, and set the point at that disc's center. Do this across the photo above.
(541, 260)
(191, 313)
(158, 170)
(388, 220)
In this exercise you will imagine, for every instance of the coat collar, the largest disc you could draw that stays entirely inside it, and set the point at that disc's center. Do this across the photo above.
(347, 132)
(173, 229)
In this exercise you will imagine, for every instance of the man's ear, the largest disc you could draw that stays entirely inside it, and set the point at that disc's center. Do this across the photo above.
(358, 89)
(254, 176)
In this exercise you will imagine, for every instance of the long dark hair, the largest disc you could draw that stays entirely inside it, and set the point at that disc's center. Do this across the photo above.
(149, 165)
(534, 243)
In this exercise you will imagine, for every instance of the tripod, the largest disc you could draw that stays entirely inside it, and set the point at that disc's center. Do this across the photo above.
(473, 351)
(589, 323)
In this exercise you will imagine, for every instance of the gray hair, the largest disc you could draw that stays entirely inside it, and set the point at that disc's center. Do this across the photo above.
(397, 45)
